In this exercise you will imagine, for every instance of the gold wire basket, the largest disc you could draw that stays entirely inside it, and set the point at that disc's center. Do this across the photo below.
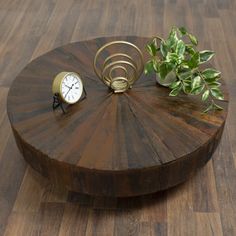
(119, 70)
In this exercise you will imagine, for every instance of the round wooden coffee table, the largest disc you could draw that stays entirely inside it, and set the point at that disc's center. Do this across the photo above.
(129, 144)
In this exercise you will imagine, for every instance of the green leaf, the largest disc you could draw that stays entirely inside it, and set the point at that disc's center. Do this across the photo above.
(182, 30)
(217, 107)
(155, 65)
(148, 69)
(211, 80)
(194, 61)
(185, 75)
(187, 86)
(206, 55)
(175, 84)
(193, 39)
(217, 93)
(165, 68)
(172, 39)
(214, 84)
(190, 49)
(197, 90)
(211, 73)
(209, 108)
(172, 57)
(175, 92)
(213, 106)
(180, 48)
(151, 48)
(164, 49)
(205, 95)
(196, 82)
(184, 67)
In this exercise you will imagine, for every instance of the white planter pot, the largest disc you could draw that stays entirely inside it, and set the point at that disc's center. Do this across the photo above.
(170, 78)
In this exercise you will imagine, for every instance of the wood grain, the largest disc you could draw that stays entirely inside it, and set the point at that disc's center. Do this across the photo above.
(30, 28)
(118, 145)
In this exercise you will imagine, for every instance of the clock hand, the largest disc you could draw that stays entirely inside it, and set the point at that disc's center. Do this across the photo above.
(67, 86)
(70, 88)
(73, 84)
(67, 92)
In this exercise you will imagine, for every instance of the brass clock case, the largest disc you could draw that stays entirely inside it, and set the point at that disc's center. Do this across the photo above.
(57, 84)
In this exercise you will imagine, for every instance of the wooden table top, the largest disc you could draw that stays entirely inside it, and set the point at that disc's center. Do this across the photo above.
(127, 137)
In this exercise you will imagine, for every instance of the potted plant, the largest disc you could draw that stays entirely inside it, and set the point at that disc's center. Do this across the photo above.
(176, 64)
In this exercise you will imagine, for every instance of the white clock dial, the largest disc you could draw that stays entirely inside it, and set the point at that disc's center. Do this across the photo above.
(71, 88)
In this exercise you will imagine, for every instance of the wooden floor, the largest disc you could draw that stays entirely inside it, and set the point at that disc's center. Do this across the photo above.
(29, 205)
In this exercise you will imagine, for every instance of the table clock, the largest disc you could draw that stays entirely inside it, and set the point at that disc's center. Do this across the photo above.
(67, 88)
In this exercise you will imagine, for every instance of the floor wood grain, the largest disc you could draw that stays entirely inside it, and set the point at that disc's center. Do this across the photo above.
(29, 205)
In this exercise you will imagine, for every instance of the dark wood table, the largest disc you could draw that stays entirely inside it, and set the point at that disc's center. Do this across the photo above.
(134, 143)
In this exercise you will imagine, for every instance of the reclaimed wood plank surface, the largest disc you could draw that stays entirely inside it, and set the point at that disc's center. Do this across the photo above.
(30, 28)
(118, 145)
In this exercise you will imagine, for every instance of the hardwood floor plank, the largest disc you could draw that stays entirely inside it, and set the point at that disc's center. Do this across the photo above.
(30, 193)
(50, 217)
(127, 222)
(204, 190)
(75, 220)
(208, 224)
(100, 222)
(22, 224)
(154, 208)
(12, 169)
(29, 205)
(57, 16)
(4, 123)
(180, 216)
(225, 175)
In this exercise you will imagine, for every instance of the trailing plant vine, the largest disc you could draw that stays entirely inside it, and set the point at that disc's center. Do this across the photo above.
(174, 55)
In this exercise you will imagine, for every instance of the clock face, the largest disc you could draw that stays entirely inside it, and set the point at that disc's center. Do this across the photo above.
(71, 88)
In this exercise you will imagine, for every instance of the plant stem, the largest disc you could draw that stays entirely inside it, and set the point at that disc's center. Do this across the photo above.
(199, 73)
(208, 88)
(181, 80)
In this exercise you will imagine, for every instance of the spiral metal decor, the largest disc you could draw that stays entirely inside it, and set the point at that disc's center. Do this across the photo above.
(121, 69)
